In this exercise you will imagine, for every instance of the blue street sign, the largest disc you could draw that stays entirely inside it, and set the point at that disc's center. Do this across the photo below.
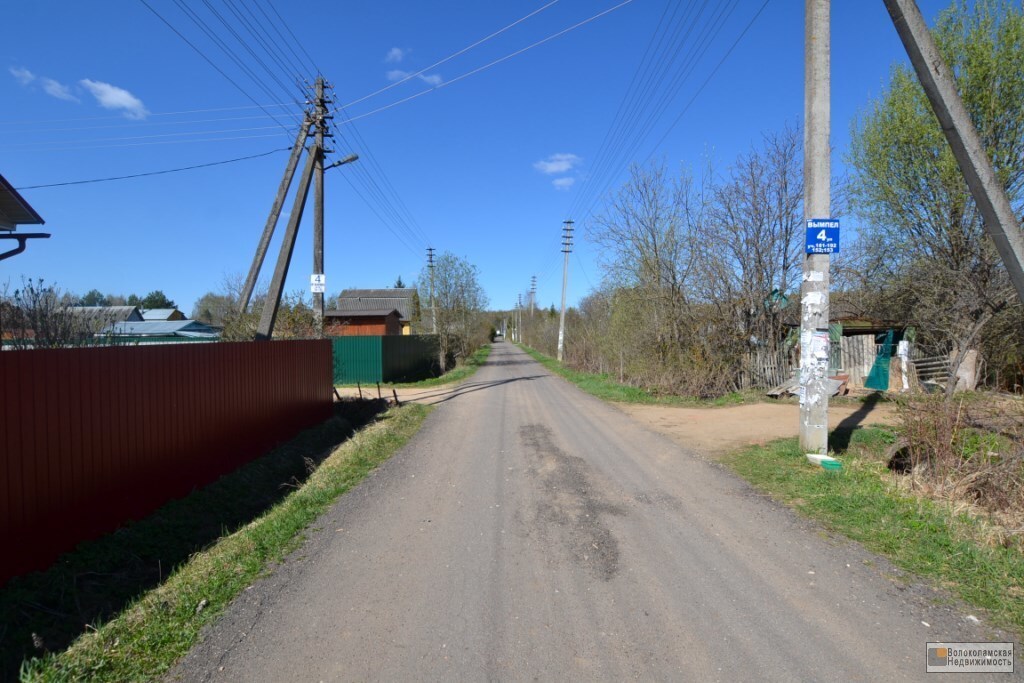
(823, 236)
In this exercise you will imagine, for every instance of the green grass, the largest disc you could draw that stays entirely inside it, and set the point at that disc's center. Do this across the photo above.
(142, 641)
(460, 372)
(603, 386)
(917, 535)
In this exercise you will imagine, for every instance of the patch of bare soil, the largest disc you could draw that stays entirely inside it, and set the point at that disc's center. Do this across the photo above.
(717, 431)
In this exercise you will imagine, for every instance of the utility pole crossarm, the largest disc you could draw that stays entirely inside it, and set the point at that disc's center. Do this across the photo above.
(937, 81)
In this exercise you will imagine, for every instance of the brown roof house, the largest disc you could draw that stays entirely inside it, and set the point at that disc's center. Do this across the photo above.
(368, 323)
(362, 301)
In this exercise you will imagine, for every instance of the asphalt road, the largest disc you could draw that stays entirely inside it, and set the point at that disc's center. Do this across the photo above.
(531, 532)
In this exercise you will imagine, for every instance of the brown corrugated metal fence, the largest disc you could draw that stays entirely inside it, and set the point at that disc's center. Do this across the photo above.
(91, 438)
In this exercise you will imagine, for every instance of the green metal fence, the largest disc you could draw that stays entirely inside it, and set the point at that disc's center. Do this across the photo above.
(384, 359)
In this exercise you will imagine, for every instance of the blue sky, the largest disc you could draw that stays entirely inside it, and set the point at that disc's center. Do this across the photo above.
(487, 166)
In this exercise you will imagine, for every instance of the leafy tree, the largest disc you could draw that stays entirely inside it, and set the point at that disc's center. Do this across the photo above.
(214, 308)
(157, 299)
(94, 297)
(926, 250)
(133, 300)
(459, 300)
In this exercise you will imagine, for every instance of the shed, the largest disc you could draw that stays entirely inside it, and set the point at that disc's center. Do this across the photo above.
(402, 299)
(380, 322)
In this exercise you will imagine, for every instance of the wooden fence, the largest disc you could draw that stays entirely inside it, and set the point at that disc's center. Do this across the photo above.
(91, 438)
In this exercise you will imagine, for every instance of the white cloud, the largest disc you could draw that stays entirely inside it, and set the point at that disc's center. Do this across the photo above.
(557, 163)
(395, 55)
(22, 75)
(399, 75)
(563, 183)
(58, 90)
(112, 97)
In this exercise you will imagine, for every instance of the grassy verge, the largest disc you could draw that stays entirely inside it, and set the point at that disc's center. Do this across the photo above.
(920, 536)
(146, 638)
(604, 387)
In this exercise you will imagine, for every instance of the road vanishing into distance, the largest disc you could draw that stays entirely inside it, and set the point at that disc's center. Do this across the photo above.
(532, 532)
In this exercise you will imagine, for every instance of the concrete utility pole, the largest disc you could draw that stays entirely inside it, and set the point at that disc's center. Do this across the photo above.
(533, 293)
(566, 248)
(275, 215)
(321, 119)
(433, 308)
(519, 317)
(814, 288)
(265, 330)
(989, 194)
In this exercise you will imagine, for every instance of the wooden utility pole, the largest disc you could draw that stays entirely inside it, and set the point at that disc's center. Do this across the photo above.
(566, 248)
(989, 194)
(814, 289)
(321, 117)
(275, 214)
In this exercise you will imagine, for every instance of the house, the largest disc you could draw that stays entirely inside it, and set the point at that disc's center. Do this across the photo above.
(15, 211)
(368, 323)
(164, 314)
(405, 300)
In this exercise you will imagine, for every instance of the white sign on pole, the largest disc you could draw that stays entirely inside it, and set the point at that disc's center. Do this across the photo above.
(318, 283)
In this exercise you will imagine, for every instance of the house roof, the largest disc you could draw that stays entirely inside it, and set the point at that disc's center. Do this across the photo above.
(371, 313)
(352, 300)
(14, 210)
(163, 328)
(107, 314)
(159, 313)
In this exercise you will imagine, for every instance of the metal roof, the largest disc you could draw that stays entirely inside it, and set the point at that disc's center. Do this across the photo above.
(107, 314)
(362, 300)
(370, 313)
(14, 210)
(182, 328)
(159, 313)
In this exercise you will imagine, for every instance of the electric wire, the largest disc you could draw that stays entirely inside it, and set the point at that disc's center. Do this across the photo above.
(47, 143)
(211, 63)
(252, 53)
(452, 56)
(697, 92)
(493, 63)
(644, 114)
(194, 17)
(298, 42)
(152, 173)
(283, 40)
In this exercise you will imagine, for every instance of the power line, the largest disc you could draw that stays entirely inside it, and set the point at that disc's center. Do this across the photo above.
(211, 63)
(150, 173)
(139, 137)
(452, 56)
(493, 63)
(159, 142)
(596, 197)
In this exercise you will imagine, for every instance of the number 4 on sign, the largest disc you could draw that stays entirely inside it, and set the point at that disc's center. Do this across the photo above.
(821, 236)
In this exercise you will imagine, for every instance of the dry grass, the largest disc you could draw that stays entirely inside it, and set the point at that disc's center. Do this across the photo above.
(968, 454)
